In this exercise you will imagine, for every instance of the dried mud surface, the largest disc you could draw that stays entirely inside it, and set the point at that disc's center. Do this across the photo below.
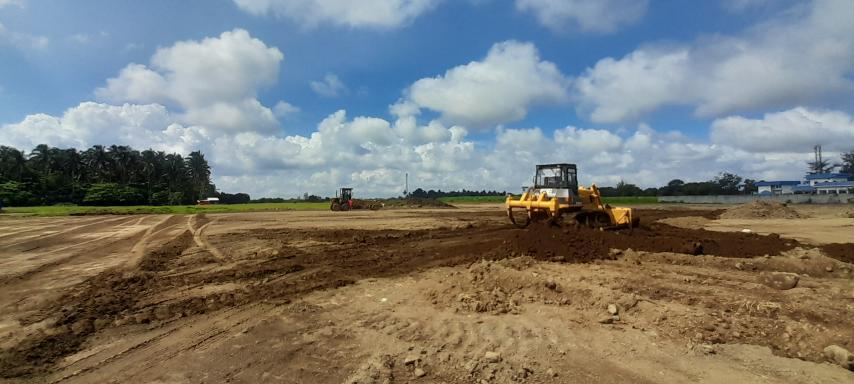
(696, 286)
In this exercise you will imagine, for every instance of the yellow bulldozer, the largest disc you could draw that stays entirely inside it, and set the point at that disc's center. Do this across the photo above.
(556, 194)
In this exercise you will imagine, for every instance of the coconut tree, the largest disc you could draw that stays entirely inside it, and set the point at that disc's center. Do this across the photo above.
(98, 162)
(199, 172)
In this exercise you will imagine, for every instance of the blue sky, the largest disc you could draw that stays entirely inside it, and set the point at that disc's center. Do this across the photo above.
(651, 91)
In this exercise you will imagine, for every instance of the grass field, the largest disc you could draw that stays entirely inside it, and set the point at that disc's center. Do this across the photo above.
(72, 210)
(63, 210)
(630, 200)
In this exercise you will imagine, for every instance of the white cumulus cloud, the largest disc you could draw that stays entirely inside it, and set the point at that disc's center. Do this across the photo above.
(794, 130)
(599, 16)
(214, 81)
(803, 55)
(501, 88)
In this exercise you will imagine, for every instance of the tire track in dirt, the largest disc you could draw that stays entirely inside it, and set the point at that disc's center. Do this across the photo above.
(169, 341)
(48, 240)
(139, 248)
(87, 308)
(47, 266)
(197, 224)
(39, 227)
(112, 242)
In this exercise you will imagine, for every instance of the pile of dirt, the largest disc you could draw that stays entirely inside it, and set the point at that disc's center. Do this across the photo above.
(573, 243)
(367, 204)
(761, 210)
(416, 202)
(840, 251)
(496, 287)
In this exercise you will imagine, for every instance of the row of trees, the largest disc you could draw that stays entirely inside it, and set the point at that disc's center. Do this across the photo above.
(723, 184)
(115, 175)
(431, 194)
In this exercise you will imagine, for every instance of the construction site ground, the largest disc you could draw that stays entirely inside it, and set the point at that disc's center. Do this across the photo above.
(426, 296)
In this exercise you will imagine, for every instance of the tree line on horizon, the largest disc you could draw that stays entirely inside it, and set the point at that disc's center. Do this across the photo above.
(723, 184)
(121, 175)
(114, 175)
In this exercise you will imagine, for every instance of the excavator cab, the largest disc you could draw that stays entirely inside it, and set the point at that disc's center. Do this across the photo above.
(343, 201)
(560, 179)
(346, 194)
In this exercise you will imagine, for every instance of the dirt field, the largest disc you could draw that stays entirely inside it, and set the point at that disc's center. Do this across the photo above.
(429, 295)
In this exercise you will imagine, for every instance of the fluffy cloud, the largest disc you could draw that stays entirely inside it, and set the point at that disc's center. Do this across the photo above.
(794, 130)
(804, 55)
(499, 89)
(643, 156)
(330, 86)
(94, 123)
(363, 13)
(215, 81)
(372, 154)
(599, 16)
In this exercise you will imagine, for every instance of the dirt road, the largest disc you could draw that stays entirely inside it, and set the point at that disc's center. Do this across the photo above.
(449, 295)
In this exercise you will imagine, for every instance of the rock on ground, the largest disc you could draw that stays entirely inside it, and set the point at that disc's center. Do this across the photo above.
(780, 280)
(840, 356)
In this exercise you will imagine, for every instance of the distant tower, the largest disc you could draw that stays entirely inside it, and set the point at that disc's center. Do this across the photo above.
(406, 185)
(817, 150)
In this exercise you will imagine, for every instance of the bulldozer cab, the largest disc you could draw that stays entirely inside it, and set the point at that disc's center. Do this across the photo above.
(556, 176)
(346, 194)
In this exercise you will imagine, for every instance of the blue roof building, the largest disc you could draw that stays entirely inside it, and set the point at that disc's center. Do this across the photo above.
(819, 183)
(821, 176)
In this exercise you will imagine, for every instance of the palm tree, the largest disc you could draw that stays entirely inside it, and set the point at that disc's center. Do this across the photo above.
(40, 158)
(98, 161)
(12, 163)
(153, 164)
(199, 172)
(176, 175)
(72, 164)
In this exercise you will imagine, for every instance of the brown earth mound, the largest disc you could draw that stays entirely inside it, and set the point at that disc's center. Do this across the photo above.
(840, 251)
(416, 202)
(582, 244)
(761, 210)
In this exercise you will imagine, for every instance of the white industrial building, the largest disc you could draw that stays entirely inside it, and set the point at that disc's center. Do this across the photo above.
(817, 183)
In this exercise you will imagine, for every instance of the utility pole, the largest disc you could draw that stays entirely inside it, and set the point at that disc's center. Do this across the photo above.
(406, 185)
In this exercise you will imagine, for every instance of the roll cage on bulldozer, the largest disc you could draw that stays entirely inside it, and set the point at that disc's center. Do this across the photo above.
(556, 192)
(343, 200)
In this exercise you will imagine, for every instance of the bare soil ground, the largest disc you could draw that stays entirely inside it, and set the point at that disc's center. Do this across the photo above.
(429, 295)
